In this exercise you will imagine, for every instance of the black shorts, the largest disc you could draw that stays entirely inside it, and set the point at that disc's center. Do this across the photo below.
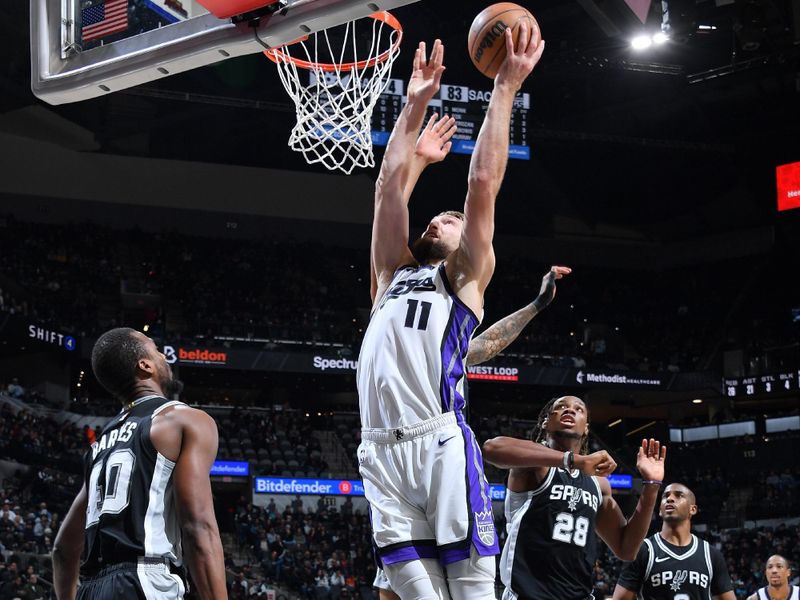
(142, 581)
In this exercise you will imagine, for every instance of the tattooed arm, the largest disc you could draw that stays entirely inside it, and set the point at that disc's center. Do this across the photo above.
(497, 338)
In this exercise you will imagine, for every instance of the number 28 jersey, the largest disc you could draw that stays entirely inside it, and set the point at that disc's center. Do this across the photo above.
(412, 362)
(130, 512)
(552, 545)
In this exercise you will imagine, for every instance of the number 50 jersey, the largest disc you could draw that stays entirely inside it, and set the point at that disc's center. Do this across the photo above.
(411, 365)
(552, 545)
(130, 512)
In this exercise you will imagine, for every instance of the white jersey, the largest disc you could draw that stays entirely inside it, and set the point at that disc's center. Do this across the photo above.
(794, 593)
(411, 367)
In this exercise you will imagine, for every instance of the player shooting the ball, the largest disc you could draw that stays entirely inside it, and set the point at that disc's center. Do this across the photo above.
(430, 505)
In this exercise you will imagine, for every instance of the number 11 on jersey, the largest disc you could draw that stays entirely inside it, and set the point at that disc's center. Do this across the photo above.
(411, 314)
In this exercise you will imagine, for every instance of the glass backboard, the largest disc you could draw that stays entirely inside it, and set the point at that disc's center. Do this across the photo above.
(81, 49)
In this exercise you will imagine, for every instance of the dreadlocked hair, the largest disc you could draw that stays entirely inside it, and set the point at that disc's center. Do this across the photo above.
(539, 432)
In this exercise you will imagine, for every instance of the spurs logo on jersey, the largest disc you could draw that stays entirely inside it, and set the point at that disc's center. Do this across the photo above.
(663, 571)
(411, 366)
(130, 512)
(574, 496)
(677, 578)
(552, 544)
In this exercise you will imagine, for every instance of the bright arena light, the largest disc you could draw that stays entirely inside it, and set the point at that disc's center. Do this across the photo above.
(641, 42)
(660, 38)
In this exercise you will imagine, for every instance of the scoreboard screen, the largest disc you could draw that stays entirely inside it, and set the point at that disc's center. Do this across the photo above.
(788, 178)
(467, 105)
(761, 385)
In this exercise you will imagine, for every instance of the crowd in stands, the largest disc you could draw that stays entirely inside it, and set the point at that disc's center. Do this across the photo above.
(41, 441)
(32, 503)
(83, 280)
(323, 551)
(277, 442)
(777, 494)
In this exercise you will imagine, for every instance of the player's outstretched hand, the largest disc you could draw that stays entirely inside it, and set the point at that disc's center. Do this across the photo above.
(597, 463)
(519, 61)
(548, 290)
(434, 142)
(426, 73)
(650, 460)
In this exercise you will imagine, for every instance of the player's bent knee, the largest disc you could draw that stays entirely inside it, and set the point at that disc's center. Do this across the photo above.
(417, 580)
(472, 578)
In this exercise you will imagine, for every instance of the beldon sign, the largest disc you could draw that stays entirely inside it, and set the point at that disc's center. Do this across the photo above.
(195, 356)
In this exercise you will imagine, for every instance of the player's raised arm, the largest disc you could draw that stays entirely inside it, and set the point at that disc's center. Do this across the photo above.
(401, 167)
(498, 337)
(488, 165)
(625, 536)
(432, 146)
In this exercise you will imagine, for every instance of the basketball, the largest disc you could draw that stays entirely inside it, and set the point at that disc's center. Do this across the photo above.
(486, 43)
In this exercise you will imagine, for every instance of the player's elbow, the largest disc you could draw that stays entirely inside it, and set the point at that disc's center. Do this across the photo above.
(493, 450)
(60, 553)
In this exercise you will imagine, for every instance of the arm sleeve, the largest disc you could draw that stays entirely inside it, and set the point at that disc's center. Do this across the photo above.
(721, 582)
(632, 575)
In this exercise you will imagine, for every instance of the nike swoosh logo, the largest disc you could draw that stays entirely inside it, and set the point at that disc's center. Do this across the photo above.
(443, 442)
(662, 559)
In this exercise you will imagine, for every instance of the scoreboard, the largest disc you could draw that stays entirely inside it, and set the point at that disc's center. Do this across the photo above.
(467, 105)
(779, 383)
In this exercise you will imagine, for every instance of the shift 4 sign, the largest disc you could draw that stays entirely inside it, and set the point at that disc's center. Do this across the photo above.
(48, 336)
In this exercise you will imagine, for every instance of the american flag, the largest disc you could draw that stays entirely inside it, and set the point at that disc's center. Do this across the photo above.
(104, 18)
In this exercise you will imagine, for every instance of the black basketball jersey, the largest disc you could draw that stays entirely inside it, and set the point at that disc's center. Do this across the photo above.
(552, 545)
(130, 512)
(794, 593)
(664, 571)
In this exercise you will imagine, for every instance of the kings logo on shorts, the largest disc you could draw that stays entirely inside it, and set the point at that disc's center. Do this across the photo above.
(484, 524)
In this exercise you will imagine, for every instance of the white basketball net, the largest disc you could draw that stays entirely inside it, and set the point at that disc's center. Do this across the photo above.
(334, 110)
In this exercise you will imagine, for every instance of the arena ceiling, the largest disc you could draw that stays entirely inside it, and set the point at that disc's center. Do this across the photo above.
(671, 143)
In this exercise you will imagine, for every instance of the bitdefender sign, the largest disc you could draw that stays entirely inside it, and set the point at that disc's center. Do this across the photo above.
(315, 487)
